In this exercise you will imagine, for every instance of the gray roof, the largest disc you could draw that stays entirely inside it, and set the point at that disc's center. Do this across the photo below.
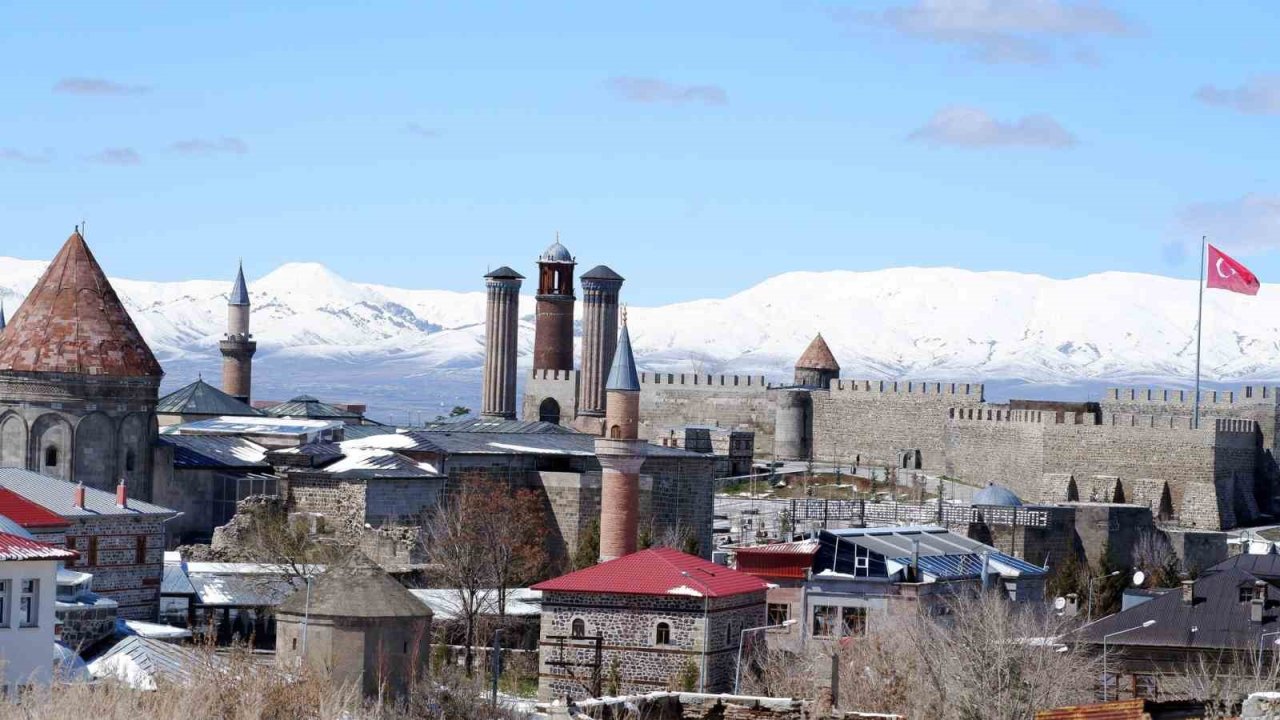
(352, 432)
(58, 496)
(1220, 618)
(623, 376)
(556, 253)
(445, 602)
(175, 580)
(942, 553)
(504, 273)
(356, 460)
(994, 494)
(201, 398)
(355, 589)
(495, 443)
(155, 659)
(305, 406)
(239, 291)
(602, 272)
(215, 451)
(494, 425)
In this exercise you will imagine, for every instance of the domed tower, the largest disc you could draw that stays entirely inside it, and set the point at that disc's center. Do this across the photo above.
(78, 384)
(817, 367)
(238, 346)
(553, 329)
(621, 454)
(501, 343)
(600, 288)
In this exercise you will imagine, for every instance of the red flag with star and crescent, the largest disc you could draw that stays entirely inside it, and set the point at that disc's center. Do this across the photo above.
(1227, 274)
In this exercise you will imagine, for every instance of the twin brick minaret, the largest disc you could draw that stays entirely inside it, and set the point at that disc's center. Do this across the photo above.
(238, 346)
(621, 454)
(553, 330)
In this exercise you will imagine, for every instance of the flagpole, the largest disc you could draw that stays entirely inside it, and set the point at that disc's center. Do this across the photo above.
(1195, 417)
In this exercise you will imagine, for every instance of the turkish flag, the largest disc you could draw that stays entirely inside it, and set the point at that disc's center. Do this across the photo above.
(1227, 274)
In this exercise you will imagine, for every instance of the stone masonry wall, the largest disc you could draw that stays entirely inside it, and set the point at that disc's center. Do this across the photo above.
(401, 499)
(125, 555)
(703, 633)
(341, 501)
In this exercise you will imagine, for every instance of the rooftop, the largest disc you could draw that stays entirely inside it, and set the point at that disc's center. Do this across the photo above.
(556, 253)
(818, 356)
(143, 662)
(355, 589)
(239, 290)
(504, 273)
(623, 375)
(445, 602)
(28, 514)
(305, 406)
(231, 425)
(498, 443)
(997, 495)
(18, 548)
(215, 451)
(942, 554)
(201, 398)
(602, 272)
(657, 571)
(58, 496)
(72, 321)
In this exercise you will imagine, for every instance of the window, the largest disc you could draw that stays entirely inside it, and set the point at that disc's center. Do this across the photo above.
(779, 613)
(579, 628)
(51, 456)
(29, 604)
(5, 603)
(615, 432)
(128, 461)
(824, 621)
(93, 550)
(295, 644)
(855, 621)
(140, 550)
(728, 634)
(1246, 593)
(663, 635)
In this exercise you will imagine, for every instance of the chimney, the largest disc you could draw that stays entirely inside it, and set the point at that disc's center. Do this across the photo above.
(915, 561)
(122, 495)
(1188, 591)
(1259, 601)
(79, 496)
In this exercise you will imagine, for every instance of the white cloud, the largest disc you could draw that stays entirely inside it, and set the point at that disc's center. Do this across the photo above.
(1259, 96)
(652, 90)
(1249, 223)
(117, 156)
(14, 155)
(97, 86)
(234, 146)
(963, 126)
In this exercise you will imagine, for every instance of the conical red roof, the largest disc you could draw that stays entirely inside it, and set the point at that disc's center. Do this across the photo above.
(818, 356)
(73, 322)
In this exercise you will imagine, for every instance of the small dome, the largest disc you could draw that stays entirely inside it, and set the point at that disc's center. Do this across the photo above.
(994, 494)
(556, 253)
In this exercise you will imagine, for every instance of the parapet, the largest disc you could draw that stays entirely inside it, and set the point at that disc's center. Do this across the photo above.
(545, 374)
(1181, 422)
(908, 387)
(1247, 394)
(701, 380)
(1003, 413)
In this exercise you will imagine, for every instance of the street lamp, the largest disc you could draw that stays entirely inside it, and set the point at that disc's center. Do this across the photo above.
(1089, 610)
(1146, 624)
(742, 638)
(1262, 637)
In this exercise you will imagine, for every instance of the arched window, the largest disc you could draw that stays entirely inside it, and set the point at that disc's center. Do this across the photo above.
(615, 432)
(549, 411)
(128, 461)
(663, 635)
(728, 634)
(51, 456)
(579, 628)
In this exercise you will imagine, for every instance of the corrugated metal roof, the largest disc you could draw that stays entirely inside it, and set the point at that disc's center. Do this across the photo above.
(201, 398)
(215, 451)
(305, 406)
(231, 425)
(58, 496)
(493, 443)
(445, 603)
(175, 580)
(17, 548)
(799, 547)
(657, 571)
(1128, 710)
(487, 425)
(26, 513)
(354, 432)
(142, 662)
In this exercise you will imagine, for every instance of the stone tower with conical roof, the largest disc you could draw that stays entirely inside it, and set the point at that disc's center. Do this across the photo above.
(501, 343)
(817, 367)
(793, 413)
(621, 454)
(238, 346)
(78, 383)
(553, 329)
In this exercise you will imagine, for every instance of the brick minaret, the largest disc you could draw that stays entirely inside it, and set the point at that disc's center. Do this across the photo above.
(621, 455)
(501, 343)
(600, 286)
(553, 331)
(238, 346)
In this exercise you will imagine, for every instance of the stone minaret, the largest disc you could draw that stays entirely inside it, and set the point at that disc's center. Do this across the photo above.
(600, 287)
(501, 343)
(621, 455)
(553, 331)
(238, 346)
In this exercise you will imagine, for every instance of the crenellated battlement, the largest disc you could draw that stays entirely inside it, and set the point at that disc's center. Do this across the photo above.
(1251, 394)
(544, 374)
(1002, 414)
(907, 387)
(701, 380)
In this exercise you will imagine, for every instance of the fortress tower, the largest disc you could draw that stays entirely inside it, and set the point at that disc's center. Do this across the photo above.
(78, 384)
(817, 367)
(238, 346)
(600, 286)
(553, 330)
(501, 343)
(621, 455)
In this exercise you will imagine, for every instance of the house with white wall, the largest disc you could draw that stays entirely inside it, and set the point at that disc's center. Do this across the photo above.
(28, 584)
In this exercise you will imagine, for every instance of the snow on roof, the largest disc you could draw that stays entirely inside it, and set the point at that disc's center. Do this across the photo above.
(232, 425)
(445, 603)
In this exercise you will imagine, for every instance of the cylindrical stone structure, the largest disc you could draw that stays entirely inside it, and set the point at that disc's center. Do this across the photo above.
(620, 463)
(791, 436)
(501, 343)
(600, 288)
(553, 326)
(238, 346)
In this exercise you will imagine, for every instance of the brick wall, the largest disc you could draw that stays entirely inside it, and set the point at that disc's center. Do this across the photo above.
(125, 555)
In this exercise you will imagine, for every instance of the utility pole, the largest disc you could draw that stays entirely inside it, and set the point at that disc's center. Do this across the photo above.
(496, 663)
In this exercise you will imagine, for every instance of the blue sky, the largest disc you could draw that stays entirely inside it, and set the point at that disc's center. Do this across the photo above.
(696, 148)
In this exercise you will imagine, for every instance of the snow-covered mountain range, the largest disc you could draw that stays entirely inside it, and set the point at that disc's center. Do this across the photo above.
(410, 351)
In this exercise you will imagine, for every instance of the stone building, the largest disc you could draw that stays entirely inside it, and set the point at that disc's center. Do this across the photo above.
(660, 619)
(358, 625)
(501, 328)
(78, 384)
(238, 346)
(200, 401)
(553, 338)
(621, 455)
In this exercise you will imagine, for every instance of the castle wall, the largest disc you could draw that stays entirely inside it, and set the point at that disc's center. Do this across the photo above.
(559, 385)
(727, 401)
(870, 421)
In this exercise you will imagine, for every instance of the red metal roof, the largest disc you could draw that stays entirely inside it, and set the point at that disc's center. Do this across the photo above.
(13, 547)
(778, 561)
(657, 571)
(798, 547)
(1121, 710)
(73, 322)
(28, 514)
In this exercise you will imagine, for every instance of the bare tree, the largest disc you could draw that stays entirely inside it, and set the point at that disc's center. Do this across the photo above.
(517, 546)
(1154, 555)
(455, 536)
(1221, 679)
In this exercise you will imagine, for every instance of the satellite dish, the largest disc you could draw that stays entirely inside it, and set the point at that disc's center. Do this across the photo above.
(1139, 578)
(1060, 604)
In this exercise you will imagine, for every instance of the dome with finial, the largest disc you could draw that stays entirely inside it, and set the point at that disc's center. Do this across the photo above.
(556, 253)
(997, 495)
